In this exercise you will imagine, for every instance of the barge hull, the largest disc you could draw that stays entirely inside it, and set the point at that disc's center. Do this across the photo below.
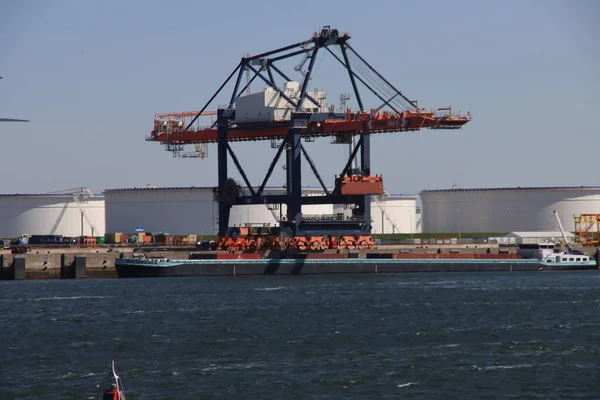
(132, 269)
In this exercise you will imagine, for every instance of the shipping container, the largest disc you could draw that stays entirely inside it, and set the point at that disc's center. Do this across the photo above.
(184, 240)
(354, 188)
(163, 239)
(87, 241)
(113, 237)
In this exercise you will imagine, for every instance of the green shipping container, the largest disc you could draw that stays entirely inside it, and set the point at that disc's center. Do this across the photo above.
(100, 240)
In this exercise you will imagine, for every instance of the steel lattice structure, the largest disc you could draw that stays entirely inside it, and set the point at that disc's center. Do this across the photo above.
(396, 113)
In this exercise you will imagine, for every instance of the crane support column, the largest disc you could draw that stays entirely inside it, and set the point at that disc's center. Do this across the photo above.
(224, 207)
(365, 161)
(294, 170)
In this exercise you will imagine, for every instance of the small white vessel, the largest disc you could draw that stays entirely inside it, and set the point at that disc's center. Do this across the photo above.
(550, 253)
(573, 258)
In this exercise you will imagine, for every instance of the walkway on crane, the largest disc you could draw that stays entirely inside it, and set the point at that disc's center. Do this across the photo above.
(173, 130)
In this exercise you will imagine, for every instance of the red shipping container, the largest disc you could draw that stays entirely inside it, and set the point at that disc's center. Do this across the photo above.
(350, 188)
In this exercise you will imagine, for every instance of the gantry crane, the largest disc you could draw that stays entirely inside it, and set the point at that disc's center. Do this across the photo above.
(300, 114)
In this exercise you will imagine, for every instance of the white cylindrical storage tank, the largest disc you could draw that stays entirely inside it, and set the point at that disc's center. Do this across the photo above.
(506, 209)
(175, 210)
(51, 214)
(186, 210)
(272, 213)
(393, 214)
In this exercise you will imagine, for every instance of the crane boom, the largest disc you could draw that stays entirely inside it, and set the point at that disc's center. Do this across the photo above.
(562, 231)
(317, 126)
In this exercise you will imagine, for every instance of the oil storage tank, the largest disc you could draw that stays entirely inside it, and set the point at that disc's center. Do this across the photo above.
(72, 212)
(506, 209)
(194, 210)
(185, 210)
(394, 213)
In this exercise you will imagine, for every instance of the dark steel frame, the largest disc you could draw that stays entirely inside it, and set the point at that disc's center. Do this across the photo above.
(294, 224)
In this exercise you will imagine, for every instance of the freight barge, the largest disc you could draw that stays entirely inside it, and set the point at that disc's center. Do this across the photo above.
(138, 268)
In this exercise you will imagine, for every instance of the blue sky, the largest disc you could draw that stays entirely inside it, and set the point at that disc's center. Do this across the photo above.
(91, 74)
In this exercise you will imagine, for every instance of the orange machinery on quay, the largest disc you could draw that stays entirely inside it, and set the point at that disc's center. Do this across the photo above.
(305, 119)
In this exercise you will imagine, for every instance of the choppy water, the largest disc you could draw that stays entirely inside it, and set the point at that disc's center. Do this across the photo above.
(437, 336)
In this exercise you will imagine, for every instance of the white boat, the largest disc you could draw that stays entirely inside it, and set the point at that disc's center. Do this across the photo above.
(550, 253)
(539, 251)
(573, 257)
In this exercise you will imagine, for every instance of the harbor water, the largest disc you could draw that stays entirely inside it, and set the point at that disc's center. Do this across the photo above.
(428, 336)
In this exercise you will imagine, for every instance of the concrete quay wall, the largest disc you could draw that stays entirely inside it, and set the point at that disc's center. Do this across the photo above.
(41, 263)
(100, 262)
(46, 264)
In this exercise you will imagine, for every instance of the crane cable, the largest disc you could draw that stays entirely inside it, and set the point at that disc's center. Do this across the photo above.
(388, 92)
(384, 86)
(378, 85)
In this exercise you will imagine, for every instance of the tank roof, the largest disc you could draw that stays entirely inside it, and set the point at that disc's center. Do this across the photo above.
(57, 195)
(516, 189)
(210, 188)
(79, 192)
(407, 195)
(539, 234)
(198, 188)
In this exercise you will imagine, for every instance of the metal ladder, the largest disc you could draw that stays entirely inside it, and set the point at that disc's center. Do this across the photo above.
(378, 200)
(60, 217)
(274, 208)
(78, 194)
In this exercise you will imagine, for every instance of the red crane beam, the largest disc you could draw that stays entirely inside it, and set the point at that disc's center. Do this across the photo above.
(354, 124)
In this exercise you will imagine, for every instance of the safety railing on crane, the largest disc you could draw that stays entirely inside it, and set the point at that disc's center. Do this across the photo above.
(332, 217)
